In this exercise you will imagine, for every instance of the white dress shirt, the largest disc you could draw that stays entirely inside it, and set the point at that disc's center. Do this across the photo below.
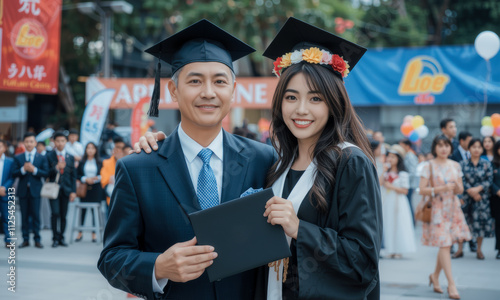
(465, 154)
(90, 170)
(33, 152)
(75, 149)
(194, 164)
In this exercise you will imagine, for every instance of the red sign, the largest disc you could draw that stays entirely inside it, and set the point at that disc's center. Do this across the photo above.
(30, 33)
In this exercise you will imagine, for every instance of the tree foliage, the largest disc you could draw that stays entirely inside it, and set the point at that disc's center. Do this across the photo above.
(377, 23)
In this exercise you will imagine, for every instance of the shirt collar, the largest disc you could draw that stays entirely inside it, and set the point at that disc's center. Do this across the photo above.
(63, 153)
(191, 148)
(33, 153)
(2, 158)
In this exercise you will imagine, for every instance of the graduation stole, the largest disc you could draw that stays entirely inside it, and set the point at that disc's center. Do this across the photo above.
(297, 195)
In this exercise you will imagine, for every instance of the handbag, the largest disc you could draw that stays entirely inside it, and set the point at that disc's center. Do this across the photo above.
(424, 211)
(50, 189)
(81, 189)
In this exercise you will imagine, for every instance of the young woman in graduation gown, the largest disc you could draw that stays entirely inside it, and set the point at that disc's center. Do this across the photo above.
(327, 196)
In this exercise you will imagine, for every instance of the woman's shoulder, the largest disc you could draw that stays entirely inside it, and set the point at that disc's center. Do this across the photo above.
(355, 158)
(457, 164)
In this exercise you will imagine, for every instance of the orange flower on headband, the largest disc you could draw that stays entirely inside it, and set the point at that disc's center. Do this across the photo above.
(312, 55)
(286, 60)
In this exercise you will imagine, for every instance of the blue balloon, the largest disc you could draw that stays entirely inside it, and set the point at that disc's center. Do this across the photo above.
(413, 136)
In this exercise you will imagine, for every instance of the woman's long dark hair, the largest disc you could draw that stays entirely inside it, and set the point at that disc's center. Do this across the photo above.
(96, 156)
(401, 163)
(342, 126)
(496, 156)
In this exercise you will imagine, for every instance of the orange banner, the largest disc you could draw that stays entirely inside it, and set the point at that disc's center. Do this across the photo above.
(30, 40)
(250, 92)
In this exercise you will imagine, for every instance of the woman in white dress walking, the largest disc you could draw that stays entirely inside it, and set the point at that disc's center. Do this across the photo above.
(399, 235)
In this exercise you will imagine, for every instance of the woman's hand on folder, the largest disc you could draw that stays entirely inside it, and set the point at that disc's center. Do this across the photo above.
(280, 211)
(184, 261)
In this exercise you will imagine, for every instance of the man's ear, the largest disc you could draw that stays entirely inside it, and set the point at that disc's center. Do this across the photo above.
(234, 91)
(172, 89)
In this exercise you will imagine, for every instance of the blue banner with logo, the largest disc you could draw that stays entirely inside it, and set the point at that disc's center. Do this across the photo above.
(424, 76)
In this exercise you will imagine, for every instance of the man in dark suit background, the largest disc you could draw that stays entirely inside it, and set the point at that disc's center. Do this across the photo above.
(449, 129)
(61, 163)
(6, 181)
(461, 152)
(31, 168)
(149, 249)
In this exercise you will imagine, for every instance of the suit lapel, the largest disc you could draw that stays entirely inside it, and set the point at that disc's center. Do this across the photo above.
(175, 173)
(235, 167)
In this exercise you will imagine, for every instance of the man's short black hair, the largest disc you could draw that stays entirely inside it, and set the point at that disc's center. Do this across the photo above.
(407, 142)
(473, 141)
(73, 131)
(118, 139)
(445, 122)
(463, 135)
(41, 143)
(59, 134)
(28, 134)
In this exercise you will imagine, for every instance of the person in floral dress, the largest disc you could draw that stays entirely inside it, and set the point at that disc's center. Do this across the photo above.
(477, 178)
(447, 225)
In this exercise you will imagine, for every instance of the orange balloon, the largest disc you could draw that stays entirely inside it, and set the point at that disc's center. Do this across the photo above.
(495, 120)
(406, 129)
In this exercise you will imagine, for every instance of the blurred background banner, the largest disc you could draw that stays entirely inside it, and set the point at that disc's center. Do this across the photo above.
(423, 76)
(30, 41)
(250, 92)
(95, 116)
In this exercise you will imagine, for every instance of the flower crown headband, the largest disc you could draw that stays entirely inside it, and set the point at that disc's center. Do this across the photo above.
(312, 55)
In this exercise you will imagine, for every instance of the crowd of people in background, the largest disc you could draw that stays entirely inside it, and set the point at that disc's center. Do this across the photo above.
(461, 176)
(401, 170)
(29, 163)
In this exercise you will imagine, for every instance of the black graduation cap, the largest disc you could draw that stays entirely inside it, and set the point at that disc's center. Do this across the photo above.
(201, 42)
(297, 35)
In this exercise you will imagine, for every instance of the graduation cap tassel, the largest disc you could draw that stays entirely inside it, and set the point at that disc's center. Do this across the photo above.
(155, 98)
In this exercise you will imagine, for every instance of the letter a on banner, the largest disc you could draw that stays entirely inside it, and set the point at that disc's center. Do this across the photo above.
(94, 116)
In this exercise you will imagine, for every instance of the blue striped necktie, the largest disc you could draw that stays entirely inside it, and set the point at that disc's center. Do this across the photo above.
(207, 192)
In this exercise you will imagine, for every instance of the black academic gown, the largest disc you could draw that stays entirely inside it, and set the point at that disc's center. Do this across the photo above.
(336, 254)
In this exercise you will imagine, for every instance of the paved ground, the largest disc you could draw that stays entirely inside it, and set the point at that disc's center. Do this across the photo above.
(71, 273)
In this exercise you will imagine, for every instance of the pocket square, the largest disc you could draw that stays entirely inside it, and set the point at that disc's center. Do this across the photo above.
(250, 191)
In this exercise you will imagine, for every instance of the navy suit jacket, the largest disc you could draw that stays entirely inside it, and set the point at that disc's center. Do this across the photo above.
(35, 181)
(456, 156)
(7, 178)
(152, 198)
(67, 180)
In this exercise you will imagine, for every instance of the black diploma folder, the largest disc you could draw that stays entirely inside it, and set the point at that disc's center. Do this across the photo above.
(240, 235)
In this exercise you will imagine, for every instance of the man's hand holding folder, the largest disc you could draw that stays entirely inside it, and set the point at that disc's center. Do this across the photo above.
(184, 261)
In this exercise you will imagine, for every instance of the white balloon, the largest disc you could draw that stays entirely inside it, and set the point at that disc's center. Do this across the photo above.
(487, 44)
(408, 119)
(487, 130)
(422, 131)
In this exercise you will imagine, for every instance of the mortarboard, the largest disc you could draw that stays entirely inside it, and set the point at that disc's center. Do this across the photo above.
(299, 41)
(201, 42)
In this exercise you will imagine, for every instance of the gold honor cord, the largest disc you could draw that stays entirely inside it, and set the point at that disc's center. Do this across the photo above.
(276, 265)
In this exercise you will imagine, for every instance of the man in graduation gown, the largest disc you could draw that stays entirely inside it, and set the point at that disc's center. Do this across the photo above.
(149, 249)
